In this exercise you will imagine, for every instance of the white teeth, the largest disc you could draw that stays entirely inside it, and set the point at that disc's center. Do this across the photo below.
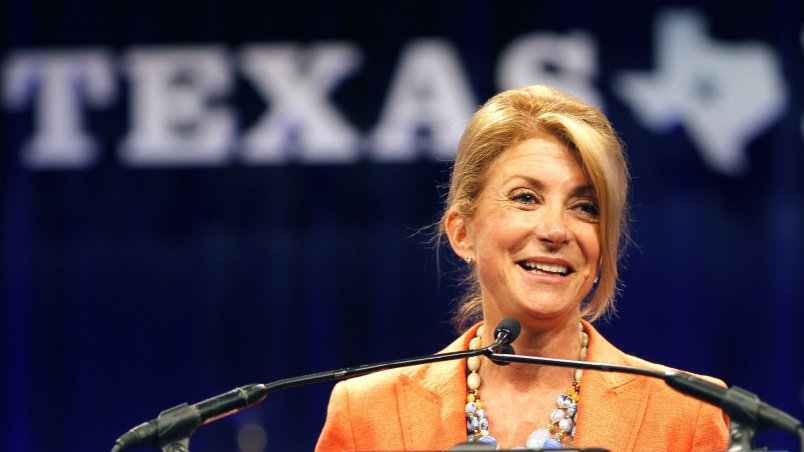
(552, 268)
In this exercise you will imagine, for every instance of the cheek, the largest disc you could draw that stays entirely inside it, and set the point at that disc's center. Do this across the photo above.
(588, 239)
(503, 233)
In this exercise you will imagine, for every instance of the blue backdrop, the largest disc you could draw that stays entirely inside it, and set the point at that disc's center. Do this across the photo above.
(137, 275)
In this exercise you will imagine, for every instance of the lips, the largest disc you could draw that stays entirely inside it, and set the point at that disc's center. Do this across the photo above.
(545, 268)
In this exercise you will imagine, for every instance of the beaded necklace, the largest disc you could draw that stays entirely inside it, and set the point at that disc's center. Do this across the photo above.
(562, 420)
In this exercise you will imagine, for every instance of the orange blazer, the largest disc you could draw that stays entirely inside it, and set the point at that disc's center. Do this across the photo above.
(422, 408)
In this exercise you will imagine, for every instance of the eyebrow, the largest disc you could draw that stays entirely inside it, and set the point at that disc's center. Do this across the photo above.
(585, 190)
(581, 190)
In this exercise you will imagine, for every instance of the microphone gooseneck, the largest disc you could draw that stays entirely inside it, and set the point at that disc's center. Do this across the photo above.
(741, 405)
(174, 423)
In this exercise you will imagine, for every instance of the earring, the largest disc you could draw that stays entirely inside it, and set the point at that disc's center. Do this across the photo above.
(469, 259)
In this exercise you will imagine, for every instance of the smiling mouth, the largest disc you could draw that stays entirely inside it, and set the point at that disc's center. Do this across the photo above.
(545, 269)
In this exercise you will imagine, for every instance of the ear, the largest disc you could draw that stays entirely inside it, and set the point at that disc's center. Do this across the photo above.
(458, 232)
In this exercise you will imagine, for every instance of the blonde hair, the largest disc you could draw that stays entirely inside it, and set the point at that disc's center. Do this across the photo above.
(514, 116)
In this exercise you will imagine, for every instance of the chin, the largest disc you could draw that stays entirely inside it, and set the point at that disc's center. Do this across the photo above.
(549, 315)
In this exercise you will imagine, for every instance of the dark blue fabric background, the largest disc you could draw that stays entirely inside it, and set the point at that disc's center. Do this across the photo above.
(127, 291)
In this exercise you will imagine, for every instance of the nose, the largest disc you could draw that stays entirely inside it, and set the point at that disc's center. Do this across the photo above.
(552, 229)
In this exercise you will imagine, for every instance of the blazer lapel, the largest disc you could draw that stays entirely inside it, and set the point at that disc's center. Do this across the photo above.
(612, 405)
(431, 402)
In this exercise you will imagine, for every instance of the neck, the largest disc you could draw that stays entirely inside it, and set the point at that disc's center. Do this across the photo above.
(516, 389)
(560, 341)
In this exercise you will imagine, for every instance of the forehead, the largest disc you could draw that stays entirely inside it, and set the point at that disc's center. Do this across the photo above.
(544, 157)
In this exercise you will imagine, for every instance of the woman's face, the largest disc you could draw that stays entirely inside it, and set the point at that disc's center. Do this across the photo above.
(535, 234)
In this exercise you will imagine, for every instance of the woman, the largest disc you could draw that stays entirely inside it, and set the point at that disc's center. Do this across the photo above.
(537, 210)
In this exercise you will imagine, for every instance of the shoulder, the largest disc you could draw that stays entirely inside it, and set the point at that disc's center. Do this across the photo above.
(386, 383)
(656, 411)
(398, 408)
(601, 350)
(376, 387)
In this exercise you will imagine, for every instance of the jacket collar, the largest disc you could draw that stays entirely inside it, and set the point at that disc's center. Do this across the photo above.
(435, 393)
(612, 405)
(611, 409)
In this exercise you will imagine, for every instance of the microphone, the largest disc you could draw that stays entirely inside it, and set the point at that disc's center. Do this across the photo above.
(506, 332)
(172, 428)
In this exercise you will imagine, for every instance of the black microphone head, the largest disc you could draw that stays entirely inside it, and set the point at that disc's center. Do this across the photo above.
(509, 327)
(507, 349)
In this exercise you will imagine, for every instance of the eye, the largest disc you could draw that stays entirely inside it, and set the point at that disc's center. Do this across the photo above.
(589, 208)
(523, 197)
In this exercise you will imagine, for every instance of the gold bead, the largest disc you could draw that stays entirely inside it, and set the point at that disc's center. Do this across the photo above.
(470, 398)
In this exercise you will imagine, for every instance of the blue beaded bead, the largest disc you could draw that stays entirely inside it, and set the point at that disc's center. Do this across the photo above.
(557, 415)
(472, 424)
(471, 408)
(552, 444)
(566, 424)
(488, 439)
(564, 401)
